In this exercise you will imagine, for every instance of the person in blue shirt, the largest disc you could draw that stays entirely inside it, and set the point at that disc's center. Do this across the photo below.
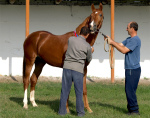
(131, 48)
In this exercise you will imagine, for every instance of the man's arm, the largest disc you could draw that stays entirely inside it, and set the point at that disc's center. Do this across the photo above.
(119, 46)
(92, 49)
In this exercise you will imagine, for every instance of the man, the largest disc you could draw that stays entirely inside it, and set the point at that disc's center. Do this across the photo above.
(131, 48)
(77, 53)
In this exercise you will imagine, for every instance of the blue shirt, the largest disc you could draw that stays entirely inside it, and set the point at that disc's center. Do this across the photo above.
(132, 58)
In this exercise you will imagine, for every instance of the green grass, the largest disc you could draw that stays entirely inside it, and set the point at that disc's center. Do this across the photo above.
(105, 99)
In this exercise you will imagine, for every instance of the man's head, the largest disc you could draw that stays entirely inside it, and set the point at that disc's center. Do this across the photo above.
(132, 28)
(85, 31)
(134, 25)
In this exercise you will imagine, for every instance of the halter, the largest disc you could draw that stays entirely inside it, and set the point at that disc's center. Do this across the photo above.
(75, 34)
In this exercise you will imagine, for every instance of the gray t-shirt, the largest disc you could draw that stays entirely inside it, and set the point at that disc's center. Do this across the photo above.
(78, 51)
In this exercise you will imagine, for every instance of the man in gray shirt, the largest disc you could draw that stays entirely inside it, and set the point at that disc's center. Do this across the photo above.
(77, 53)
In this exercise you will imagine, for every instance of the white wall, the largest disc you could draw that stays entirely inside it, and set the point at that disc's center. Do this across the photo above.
(61, 19)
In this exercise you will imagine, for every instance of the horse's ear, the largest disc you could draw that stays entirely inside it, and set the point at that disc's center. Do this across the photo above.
(100, 6)
(92, 7)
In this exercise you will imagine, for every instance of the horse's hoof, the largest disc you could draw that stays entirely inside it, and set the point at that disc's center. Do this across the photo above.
(89, 110)
(68, 111)
(25, 106)
(34, 104)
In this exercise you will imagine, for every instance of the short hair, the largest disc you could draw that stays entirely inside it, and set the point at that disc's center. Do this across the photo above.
(84, 31)
(134, 25)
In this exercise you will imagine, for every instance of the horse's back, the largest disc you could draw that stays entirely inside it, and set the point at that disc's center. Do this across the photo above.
(48, 46)
(38, 36)
(35, 36)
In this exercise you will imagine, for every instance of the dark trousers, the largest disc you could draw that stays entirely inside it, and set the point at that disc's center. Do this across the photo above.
(67, 78)
(132, 77)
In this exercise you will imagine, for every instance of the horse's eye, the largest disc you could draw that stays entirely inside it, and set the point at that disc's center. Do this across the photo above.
(101, 16)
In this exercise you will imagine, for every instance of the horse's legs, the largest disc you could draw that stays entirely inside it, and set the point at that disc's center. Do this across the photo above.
(27, 66)
(39, 64)
(86, 104)
(67, 105)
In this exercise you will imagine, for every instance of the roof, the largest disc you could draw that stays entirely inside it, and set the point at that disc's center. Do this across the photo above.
(77, 2)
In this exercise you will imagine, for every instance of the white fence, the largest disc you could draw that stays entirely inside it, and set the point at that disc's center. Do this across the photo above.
(61, 19)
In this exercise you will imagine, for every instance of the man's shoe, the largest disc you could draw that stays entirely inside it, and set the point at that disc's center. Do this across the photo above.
(133, 113)
(81, 115)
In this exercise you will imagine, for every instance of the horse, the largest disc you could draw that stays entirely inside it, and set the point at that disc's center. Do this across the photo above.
(43, 47)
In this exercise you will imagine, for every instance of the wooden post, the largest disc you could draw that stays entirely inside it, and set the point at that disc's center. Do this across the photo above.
(27, 17)
(112, 36)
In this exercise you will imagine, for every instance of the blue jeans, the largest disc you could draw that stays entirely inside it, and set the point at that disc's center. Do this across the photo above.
(132, 77)
(67, 78)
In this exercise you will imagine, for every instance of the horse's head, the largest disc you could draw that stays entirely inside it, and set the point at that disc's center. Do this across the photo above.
(96, 18)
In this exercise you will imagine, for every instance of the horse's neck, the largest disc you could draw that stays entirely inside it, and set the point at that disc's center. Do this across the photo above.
(92, 37)
(84, 23)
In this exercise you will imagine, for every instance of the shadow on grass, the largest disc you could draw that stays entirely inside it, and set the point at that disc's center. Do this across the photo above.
(122, 110)
(17, 100)
(54, 104)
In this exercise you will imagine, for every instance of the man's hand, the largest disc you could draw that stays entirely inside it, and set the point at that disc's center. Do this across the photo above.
(119, 46)
(109, 40)
(92, 49)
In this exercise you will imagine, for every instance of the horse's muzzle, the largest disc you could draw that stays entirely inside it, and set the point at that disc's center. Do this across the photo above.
(93, 28)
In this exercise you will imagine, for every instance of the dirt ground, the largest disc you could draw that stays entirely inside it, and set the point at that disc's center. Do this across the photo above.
(5, 79)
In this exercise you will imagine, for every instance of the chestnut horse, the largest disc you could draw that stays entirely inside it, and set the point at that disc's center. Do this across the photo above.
(43, 47)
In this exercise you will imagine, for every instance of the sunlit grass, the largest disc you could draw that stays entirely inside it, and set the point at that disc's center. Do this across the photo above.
(105, 99)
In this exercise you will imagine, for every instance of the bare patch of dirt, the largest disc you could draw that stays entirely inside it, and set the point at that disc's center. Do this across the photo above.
(5, 79)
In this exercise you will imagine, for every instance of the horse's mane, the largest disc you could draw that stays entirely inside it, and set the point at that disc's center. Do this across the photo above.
(84, 23)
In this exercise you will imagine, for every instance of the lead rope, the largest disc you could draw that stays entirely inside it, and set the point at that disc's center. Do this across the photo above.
(111, 61)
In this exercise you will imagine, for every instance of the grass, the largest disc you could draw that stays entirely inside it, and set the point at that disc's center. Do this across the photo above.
(105, 99)
(146, 78)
